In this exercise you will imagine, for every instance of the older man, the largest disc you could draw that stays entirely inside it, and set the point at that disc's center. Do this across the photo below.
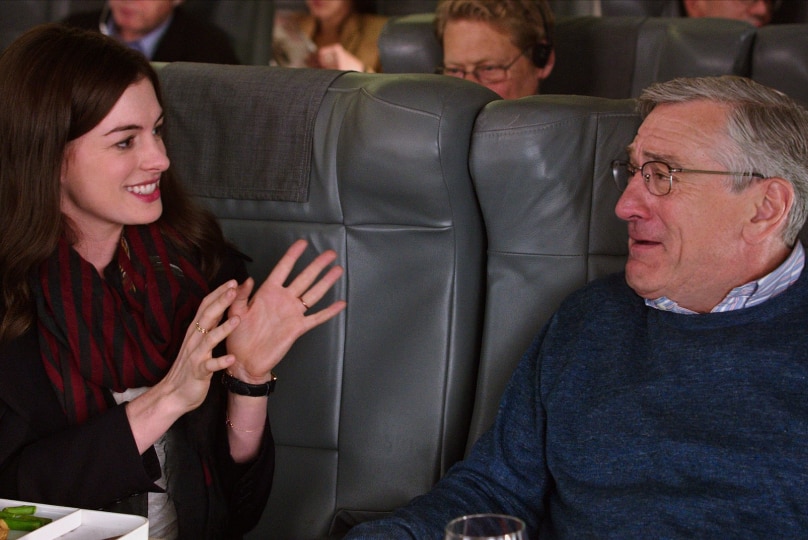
(504, 45)
(667, 401)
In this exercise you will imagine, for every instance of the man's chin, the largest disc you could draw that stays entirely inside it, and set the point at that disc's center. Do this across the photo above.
(641, 284)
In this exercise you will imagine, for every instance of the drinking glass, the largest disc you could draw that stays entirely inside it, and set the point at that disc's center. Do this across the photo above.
(486, 527)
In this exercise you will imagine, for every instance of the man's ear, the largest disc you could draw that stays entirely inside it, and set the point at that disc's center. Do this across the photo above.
(545, 70)
(773, 202)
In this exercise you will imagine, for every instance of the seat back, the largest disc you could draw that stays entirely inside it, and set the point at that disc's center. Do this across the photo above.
(371, 408)
(646, 8)
(408, 44)
(612, 57)
(405, 7)
(541, 168)
(17, 16)
(780, 59)
(616, 57)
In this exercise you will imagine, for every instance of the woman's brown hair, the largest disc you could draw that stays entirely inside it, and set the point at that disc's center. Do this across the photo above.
(56, 84)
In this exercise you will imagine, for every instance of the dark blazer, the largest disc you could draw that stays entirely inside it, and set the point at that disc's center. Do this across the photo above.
(96, 465)
(187, 39)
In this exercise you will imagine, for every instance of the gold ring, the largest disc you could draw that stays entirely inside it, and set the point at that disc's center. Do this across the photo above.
(200, 329)
(305, 305)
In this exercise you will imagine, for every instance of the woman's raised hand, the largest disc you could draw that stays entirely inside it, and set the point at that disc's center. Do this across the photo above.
(272, 320)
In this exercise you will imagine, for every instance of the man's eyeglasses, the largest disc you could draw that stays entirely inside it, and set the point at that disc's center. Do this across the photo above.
(658, 175)
(484, 74)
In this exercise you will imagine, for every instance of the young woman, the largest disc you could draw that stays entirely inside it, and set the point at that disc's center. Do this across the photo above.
(344, 34)
(135, 357)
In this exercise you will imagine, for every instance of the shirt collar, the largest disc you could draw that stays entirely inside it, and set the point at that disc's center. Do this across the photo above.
(148, 43)
(752, 293)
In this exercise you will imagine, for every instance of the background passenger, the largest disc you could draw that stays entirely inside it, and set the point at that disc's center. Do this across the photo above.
(756, 12)
(161, 29)
(341, 34)
(505, 45)
(666, 401)
(134, 373)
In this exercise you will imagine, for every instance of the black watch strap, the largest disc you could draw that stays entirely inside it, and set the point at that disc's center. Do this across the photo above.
(241, 388)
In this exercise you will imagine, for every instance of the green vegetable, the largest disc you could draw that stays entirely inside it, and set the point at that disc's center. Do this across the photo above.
(27, 510)
(21, 518)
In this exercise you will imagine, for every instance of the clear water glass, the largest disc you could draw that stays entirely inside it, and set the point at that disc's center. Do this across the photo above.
(486, 527)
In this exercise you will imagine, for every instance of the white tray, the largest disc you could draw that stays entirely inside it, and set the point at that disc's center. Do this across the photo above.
(75, 523)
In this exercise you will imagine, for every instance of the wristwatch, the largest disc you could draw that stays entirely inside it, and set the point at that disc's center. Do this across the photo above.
(241, 388)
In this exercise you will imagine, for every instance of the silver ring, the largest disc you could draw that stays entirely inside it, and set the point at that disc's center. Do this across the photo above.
(200, 329)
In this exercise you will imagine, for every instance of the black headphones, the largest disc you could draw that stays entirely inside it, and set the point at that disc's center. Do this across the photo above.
(541, 54)
(541, 51)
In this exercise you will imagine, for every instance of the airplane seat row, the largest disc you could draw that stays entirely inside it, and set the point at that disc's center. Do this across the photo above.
(616, 57)
(461, 220)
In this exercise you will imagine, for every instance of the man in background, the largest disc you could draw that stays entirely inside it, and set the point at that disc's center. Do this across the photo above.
(161, 29)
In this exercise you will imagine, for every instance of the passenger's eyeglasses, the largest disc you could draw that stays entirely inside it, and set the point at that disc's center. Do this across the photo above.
(658, 175)
(484, 74)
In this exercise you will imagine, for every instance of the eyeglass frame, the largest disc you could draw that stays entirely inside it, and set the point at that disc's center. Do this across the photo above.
(633, 170)
(441, 70)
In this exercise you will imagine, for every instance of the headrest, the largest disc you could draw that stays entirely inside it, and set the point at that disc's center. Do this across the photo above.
(780, 59)
(408, 44)
(243, 131)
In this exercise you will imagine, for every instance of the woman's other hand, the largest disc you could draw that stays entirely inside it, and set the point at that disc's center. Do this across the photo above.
(187, 382)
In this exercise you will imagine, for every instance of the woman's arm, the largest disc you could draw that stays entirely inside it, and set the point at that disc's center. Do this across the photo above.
(271, 320)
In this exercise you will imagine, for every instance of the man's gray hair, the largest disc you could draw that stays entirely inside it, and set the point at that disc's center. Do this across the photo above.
(767, 132)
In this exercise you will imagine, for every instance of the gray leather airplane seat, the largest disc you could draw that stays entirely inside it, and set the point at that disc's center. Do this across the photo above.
(541, 166)
(371, 408)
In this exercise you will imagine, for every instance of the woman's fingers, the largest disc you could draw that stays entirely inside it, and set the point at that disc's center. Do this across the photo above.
(285, 265)
(212, 365)
(316, 292)
(321, 316)
(213, 307)
(308, 282)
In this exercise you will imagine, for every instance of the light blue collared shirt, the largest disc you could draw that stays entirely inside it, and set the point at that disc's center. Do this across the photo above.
(752, 293)
(148, 43)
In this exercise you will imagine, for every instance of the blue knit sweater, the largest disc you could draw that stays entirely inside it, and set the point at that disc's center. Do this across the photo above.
(622, 421)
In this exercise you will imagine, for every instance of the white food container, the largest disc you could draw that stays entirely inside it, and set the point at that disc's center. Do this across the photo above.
(75, 523)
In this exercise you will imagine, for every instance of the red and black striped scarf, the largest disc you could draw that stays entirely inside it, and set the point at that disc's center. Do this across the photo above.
(121, 331)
